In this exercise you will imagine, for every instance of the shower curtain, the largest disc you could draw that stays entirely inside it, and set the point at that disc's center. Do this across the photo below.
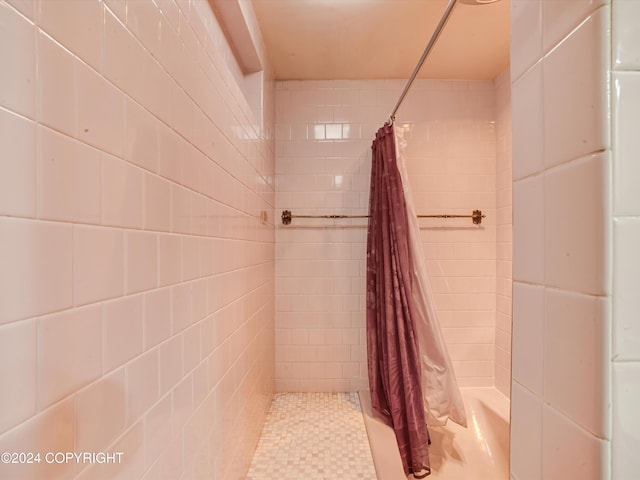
(411, 379)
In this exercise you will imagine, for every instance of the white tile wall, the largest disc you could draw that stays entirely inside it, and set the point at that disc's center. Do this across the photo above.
(528, 228)
(324, 132)
(562, 235)
(626, 223)
(37, 273)
(136, 279)
(101, 412)
(626, 421)
(18, 173)
(560, 18)
(526, 38)
(57, 102)
(122, 184)
(504, 232)
(122, 324)
(575, 229)
(576, 335)
(625, 114)
(54, 430)
(626, 341)
(625, 33)
(575, 103)
(569, 451)
(97, 277)
(528, 137)
(65, 364)
(528, 337)
(526, 430)
(19, 341)
(75, 24)
(18, 84)
(68, 178)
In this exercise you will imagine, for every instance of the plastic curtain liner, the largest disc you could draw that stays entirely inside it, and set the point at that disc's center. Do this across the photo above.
(442, 398)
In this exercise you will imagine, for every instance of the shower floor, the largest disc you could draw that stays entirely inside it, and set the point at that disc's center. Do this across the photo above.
(313, 436)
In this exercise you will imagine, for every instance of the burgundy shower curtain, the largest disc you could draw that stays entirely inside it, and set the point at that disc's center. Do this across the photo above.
(392, 343)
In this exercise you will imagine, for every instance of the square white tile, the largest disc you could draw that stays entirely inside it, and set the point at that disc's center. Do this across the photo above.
(626, 420)
(626, 34)
(18, 53)
(528, 336)
(626, 276)
(626, 142)
(575, 90)
(36, 275)
(526, 35)
(18, 169)
(528, 129)
(98, 264)
(575, 226)
(568, 451)
(576, 339)
(526, 433)
(529, 230)
(559, 18)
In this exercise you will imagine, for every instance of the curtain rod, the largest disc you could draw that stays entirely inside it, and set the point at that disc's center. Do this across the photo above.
(286, 216)
(434, 39)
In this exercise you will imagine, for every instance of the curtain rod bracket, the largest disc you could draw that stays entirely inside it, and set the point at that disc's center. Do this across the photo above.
(286, 217)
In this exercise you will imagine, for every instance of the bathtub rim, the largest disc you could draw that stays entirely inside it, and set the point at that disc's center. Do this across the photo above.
(384, 451)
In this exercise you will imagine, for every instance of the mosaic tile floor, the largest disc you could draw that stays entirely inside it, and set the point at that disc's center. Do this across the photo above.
(313, 436)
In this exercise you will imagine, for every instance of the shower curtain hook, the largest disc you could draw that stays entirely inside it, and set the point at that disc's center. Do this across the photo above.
(392, 119)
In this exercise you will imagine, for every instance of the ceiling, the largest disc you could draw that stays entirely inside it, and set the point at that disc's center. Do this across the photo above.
(375, 39)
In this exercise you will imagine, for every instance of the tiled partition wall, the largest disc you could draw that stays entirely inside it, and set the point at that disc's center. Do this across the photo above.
(324, 131)
(625, 90)
(562, 158)
(504, 227)
(136, 279)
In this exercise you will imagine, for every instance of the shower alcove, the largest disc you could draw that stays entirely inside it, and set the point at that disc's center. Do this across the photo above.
(457, 136)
